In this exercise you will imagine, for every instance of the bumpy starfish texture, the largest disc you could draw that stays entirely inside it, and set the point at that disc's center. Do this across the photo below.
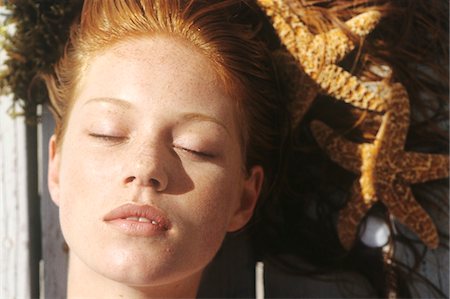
(318, 54)
(385, 169)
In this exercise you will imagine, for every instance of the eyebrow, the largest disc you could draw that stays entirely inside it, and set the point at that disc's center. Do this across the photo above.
(122, 103)
(193, 116)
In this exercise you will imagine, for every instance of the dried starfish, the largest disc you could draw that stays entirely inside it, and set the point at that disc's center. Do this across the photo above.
(318, 54)
(386, 171)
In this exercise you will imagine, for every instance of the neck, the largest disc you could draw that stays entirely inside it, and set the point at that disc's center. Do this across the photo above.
(82, 282)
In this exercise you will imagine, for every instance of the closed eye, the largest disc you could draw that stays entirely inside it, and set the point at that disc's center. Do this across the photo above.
(107, 138)
(199, 154)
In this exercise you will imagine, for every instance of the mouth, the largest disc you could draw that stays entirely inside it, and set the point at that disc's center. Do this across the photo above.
(138, 220)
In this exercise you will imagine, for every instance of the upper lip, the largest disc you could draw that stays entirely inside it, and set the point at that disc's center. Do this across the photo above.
(133, 210)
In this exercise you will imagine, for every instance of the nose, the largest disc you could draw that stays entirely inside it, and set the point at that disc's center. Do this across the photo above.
(146, 169)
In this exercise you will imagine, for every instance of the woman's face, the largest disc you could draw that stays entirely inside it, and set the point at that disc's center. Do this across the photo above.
(149, 176)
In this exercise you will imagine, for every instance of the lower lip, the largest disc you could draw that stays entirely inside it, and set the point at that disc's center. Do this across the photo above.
(136, 228)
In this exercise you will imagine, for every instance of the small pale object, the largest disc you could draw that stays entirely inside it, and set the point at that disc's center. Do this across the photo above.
(374, 232)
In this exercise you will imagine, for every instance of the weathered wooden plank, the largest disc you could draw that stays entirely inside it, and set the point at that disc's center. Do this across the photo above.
(14, 257)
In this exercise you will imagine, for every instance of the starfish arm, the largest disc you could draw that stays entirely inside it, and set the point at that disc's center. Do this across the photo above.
(401, 204)
(364, 23)
(345, 153)
(339, 83)
(396, 120)
(288, 25)
(351, 215)
(420, 167)
(337, 44)
(390, 139)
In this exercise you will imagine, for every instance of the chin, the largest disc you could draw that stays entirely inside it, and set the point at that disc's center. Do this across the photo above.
(144, 268)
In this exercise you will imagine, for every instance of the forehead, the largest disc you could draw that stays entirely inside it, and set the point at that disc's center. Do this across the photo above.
(158, 58)
(157, 48)
(155, 66)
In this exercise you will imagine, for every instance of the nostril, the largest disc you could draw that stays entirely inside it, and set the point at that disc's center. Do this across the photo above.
(129, 179)
(155, 183)
(152, 182)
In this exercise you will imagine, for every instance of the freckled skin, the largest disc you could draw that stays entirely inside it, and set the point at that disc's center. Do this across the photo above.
(203, 196)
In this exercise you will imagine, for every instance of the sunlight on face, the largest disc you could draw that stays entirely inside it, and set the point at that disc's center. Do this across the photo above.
(149, 177)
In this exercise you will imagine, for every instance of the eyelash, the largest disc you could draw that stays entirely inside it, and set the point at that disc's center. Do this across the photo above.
(196, 153)
(107, 138)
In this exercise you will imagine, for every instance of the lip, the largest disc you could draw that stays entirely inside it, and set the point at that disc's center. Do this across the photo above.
(156, 222)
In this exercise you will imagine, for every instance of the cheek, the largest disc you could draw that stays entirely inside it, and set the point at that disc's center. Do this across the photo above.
(204, 216)
(84, 185)
(215, 197)
(81, 175)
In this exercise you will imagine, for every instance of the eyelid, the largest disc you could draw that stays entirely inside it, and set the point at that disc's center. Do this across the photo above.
(202, 154)
(107, 137)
